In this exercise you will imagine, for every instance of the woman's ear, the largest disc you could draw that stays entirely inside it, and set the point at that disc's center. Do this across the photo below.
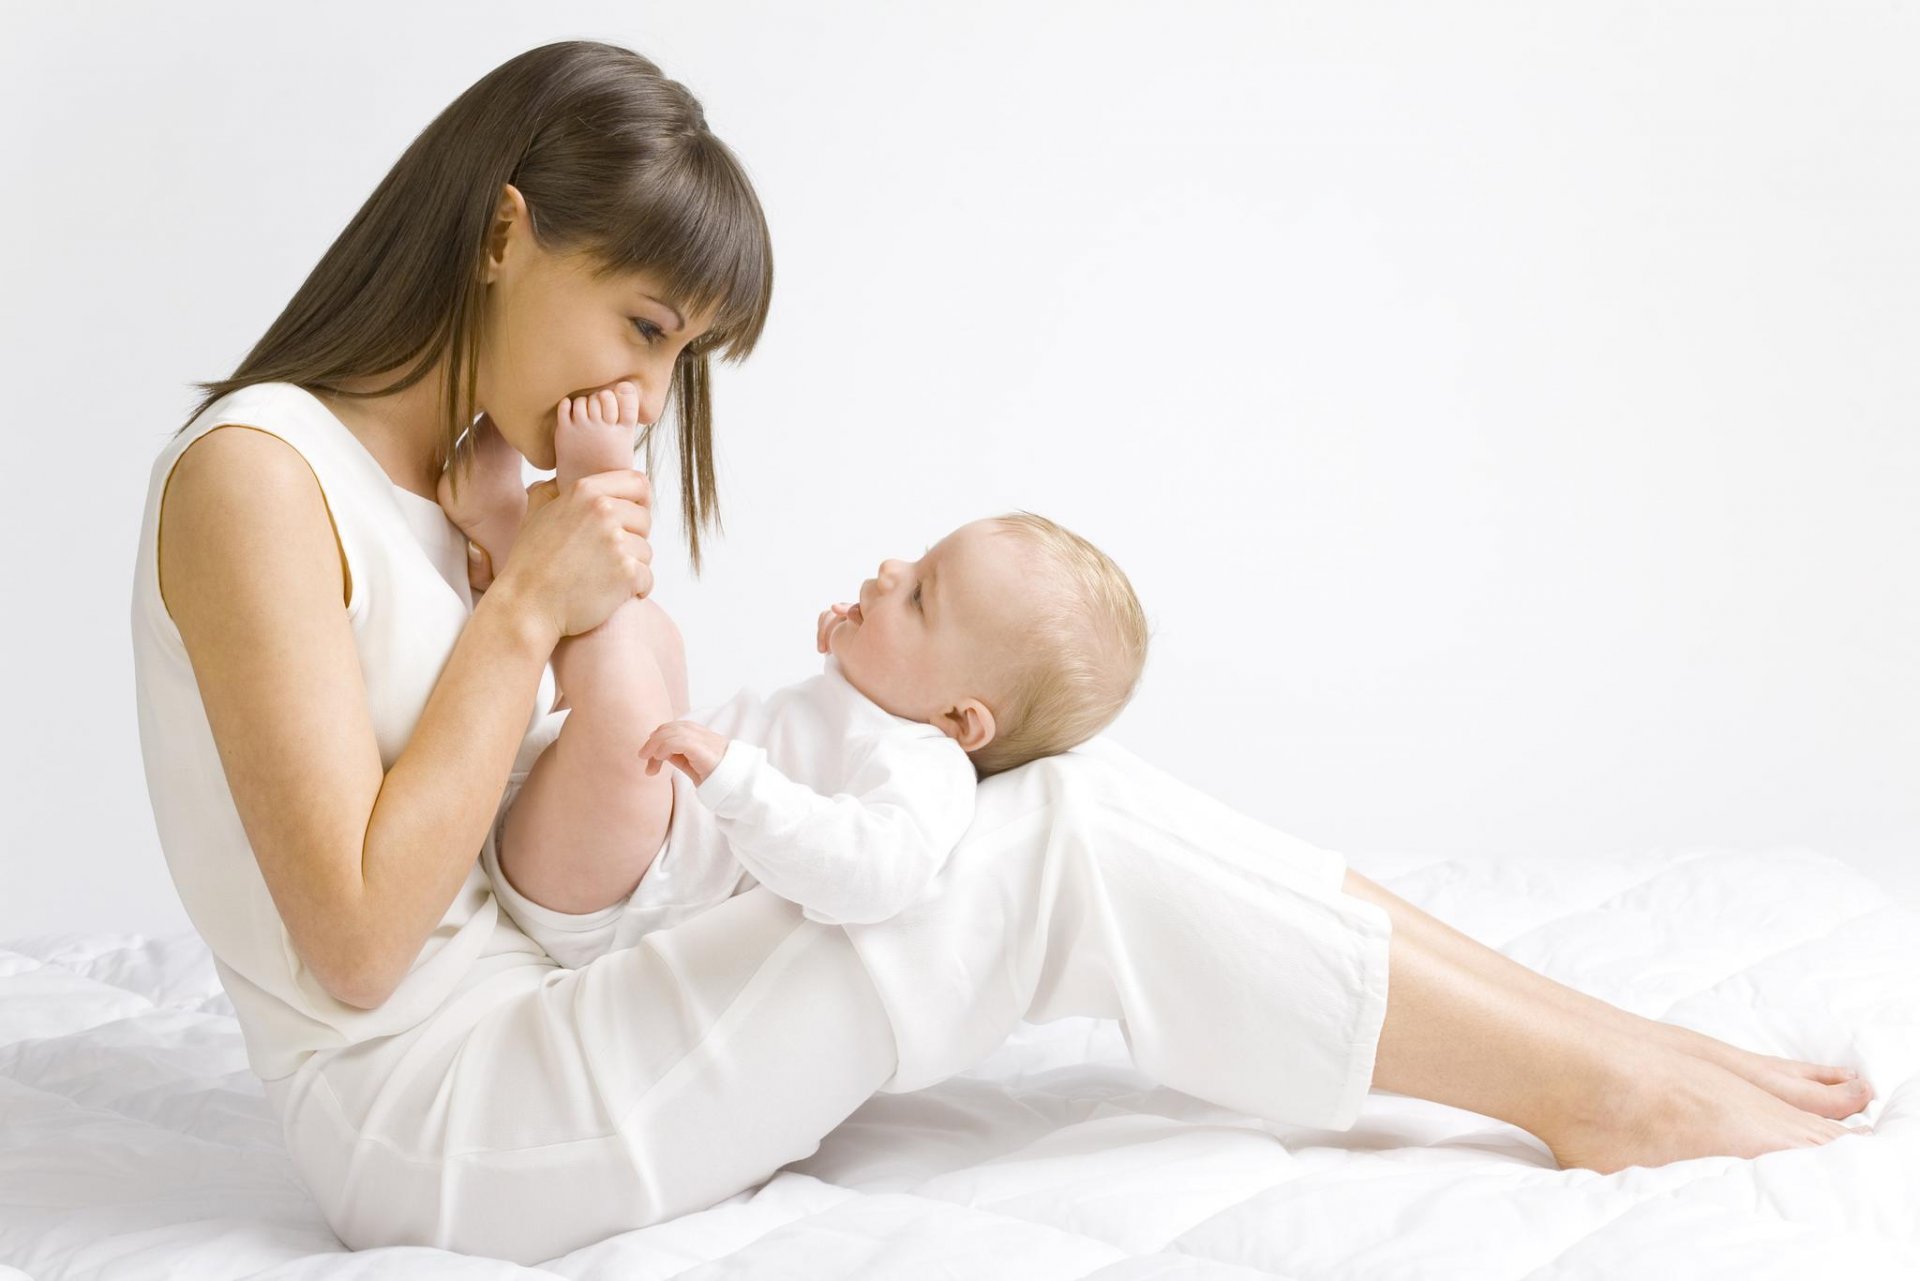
(511, 209)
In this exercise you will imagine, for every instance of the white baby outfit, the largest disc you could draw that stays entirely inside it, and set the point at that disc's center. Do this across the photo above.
(500, 1104)
(823, 796)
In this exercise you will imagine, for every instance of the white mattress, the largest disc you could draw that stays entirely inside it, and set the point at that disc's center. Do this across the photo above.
(135, 1143)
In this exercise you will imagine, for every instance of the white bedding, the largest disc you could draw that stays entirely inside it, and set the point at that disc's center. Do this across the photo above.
(135, 1143)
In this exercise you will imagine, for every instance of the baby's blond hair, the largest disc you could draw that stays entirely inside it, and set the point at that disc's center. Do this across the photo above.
(1079, 657)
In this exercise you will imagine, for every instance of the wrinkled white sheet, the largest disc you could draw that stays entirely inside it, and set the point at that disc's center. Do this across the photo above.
(135, 1143)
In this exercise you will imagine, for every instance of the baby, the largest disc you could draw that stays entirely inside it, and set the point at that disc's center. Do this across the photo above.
(1008, 640)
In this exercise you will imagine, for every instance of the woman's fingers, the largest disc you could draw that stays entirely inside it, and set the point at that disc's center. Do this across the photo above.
(540, 493)
(636, 516)
(629, 483)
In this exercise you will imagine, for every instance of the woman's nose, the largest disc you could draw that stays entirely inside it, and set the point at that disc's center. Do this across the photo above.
(653, 399)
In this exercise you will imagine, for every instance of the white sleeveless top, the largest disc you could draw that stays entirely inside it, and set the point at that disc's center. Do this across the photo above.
(409, 601)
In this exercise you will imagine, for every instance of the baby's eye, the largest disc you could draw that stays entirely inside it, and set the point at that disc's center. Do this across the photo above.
(916, 593)
(648, 330)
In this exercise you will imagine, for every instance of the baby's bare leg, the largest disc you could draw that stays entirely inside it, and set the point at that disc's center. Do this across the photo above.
(669, 650)
(589, 820)
(491, 501)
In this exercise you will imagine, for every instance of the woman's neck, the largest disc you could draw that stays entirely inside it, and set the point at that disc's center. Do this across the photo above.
(405, 431)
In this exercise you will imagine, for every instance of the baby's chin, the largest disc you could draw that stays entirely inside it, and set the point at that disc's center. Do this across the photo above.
(856, 675)
(850, 671)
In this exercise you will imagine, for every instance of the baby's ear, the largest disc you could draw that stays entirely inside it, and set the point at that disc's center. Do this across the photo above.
(970, 724)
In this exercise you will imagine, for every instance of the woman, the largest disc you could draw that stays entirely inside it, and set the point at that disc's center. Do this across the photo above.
(329, 720)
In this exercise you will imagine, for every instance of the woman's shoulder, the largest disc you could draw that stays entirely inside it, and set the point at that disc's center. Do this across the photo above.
(314, 445)
(281, 409)
(260, 496)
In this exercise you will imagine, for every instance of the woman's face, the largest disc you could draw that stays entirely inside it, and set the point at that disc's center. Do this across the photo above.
(551, 331)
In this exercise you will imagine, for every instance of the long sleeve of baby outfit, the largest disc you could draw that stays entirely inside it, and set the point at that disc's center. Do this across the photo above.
(857, 856)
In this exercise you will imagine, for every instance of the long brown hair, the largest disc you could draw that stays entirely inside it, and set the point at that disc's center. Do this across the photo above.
(613, 159)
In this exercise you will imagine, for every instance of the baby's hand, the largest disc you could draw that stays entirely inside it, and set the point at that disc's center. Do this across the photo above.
(828, 617)
(688, 745)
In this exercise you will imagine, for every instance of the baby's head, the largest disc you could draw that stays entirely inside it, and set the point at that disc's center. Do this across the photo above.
(1017, 638)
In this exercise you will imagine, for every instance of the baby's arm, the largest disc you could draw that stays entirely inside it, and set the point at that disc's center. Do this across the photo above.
(856, 857)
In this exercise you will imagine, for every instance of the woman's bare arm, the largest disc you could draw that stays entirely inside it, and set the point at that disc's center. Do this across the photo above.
(361, 863)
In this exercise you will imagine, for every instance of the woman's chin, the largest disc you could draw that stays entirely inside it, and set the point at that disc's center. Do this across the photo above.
(541, 454)
(536, 445)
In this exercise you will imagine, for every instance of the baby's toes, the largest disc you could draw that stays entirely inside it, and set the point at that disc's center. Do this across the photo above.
(628, 397)
(593, 441)
(606, 409)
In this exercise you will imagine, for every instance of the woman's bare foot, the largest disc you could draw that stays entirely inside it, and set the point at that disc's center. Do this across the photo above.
(1819, 1088)
(492, 500)
(595, 433)
(1669, 1106)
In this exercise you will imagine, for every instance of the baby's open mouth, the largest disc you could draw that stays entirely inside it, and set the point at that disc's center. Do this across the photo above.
(855, 614)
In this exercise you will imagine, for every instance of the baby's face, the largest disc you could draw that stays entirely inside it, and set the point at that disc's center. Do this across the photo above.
(928, 636)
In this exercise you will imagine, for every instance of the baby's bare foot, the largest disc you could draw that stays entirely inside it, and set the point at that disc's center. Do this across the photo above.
(492, 498)
(1670, 1107)
(596, 433)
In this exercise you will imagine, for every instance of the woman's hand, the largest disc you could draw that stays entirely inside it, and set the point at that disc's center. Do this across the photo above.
(582, 553)
(688, 745)
(828, 617)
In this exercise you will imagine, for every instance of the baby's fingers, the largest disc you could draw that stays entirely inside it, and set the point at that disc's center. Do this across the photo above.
(651, 752)
(661, 742)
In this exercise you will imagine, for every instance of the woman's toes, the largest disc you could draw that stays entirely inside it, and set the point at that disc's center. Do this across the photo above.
(1830, 1101)
(1825, 1073)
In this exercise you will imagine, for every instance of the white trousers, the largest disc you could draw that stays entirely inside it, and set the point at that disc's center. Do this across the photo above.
(542, 1109)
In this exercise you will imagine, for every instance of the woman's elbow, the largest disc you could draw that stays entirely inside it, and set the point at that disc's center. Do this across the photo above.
(356, 982)
(361, 995)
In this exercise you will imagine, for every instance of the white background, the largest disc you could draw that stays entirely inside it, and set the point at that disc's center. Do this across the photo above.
(1506, 412)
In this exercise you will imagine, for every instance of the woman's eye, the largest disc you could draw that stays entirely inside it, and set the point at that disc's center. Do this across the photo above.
(648, 330)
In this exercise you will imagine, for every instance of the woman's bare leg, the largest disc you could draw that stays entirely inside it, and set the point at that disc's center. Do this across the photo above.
(1817, 1088)
(1597, 1096)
